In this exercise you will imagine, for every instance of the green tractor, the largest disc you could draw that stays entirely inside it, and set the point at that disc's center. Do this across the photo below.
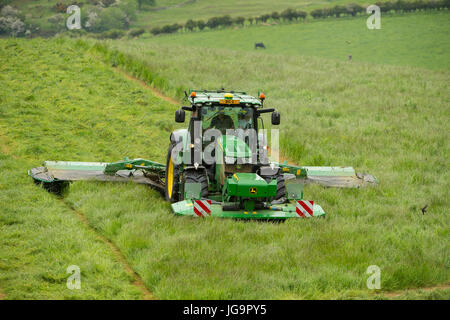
(217, 167)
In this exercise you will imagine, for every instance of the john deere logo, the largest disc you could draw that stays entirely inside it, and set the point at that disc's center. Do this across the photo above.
(253, 190)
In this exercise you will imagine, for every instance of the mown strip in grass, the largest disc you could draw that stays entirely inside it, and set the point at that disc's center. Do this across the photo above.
(59, 103)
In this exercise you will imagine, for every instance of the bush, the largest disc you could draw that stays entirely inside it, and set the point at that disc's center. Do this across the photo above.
(112, 34)
(213, 22)
(338, 11)
(11, 26)
(9, 11)
(171, 28)
(353, 9)
(133, 33)
(10, 23)
(300, 15)
(239, 21)
(265, 17)
(288, 14)
(155, 31)
(316, 13)
(225, 21)
(201, 24)
(275, 15)
(190, 25)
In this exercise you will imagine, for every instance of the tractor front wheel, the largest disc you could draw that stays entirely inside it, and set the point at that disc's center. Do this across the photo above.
(192, 176)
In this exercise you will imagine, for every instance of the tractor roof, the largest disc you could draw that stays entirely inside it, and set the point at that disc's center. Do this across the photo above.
(239, 98)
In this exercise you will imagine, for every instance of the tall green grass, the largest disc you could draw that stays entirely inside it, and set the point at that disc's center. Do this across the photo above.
(385, 120)
(57, 102)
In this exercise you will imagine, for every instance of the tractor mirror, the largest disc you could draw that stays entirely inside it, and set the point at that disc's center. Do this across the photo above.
(180, 115)
(276, 118)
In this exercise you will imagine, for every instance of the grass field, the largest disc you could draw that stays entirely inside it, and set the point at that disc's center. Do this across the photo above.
(51, 107)
(391, 121)
(408, 40)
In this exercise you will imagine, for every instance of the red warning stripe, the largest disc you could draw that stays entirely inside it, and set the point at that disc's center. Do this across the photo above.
(205, 205)
(304, 208)
(202, 207)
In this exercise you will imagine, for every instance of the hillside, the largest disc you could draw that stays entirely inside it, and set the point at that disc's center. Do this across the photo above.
(72, 104)
(414, 39)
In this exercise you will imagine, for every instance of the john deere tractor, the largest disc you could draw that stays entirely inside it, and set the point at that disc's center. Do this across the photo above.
(219, 166)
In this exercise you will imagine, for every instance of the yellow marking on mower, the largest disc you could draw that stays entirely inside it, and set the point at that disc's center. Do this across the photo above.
(298, 172)
(236, 177)
(129, 166)
(170, 178)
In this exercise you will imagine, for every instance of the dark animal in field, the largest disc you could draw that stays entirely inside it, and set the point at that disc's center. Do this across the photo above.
(424, 209)
(350, 58)
(260, 45)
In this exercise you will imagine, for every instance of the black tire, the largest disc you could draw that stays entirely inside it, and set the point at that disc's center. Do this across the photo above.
(281, 187)
(199, 176)
(172, 183)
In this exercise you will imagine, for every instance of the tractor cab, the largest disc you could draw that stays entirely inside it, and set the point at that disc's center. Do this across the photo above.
(222, 143)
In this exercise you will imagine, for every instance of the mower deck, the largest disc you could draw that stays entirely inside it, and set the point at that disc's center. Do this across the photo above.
(280, 211)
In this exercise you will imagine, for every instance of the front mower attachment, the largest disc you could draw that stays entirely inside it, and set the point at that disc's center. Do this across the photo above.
(208, 208)
(337, 177)
(138, 170)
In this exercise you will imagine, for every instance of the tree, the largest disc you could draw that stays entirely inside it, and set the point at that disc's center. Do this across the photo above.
(190, 24)
(300, 15)
(288, 14)
(275, 15)
(239, 21)
(147, 2)
(317, 13)
(213, 23)
(201, 24)
(155, 31)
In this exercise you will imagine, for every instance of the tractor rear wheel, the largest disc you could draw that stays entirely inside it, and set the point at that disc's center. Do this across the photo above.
(172, 178)
(192, 176)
